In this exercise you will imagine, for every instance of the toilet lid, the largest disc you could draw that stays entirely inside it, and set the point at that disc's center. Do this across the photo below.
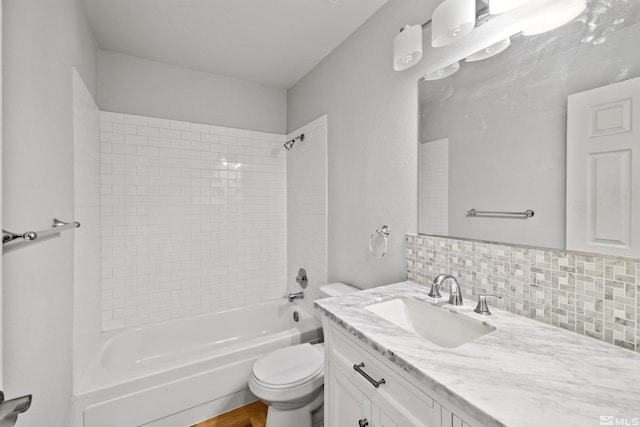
(289, 366)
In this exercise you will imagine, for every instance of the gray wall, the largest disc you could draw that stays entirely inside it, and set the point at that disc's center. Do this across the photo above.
(138, 86)
(372, 149)
(43, 39)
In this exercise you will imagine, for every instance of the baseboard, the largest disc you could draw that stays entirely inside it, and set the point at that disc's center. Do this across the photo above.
(205, 411)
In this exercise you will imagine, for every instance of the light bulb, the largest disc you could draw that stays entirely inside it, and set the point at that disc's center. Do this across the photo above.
(407, 47)
(489, 51)
(443, 72)
(556, 20)
(452, 20)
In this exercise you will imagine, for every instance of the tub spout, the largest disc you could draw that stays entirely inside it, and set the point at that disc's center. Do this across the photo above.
(294, 296)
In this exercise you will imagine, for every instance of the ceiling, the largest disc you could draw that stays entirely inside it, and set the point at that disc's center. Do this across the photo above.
(271, 42)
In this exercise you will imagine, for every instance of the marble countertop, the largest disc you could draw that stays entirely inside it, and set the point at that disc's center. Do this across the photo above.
(525, 373)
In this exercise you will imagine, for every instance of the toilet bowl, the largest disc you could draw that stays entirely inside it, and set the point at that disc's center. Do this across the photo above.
(290, 380)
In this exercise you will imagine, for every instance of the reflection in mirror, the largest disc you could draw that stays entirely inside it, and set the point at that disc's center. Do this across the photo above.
(493, 135)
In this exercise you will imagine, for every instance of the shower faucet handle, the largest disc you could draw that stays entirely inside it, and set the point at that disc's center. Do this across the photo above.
(302, 279)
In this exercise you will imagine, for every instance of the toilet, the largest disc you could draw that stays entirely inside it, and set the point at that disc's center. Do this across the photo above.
(290, 380)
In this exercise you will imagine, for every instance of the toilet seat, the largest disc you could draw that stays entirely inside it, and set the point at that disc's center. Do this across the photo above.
(289, 367)
(289, 377)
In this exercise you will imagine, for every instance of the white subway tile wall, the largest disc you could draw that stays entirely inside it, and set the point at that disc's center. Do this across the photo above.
(434, 187)
(307, 210)
(194, 218)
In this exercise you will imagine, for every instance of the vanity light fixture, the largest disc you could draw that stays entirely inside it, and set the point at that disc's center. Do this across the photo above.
(501, 6)
(489, 51)
(454, 19)
(407, 47)
(443, 72)
(451, 21)
(556, 20)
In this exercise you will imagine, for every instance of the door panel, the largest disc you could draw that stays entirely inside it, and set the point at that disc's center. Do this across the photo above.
(603, 181)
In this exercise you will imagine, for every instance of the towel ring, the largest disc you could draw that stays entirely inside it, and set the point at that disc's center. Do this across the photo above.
(384, 232)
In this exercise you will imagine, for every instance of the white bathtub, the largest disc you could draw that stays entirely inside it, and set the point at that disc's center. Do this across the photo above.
(180, 372)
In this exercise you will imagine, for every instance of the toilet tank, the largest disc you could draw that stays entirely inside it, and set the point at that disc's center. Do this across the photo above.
(336, 289)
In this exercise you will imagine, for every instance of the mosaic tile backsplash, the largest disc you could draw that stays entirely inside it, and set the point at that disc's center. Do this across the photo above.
(592, 295)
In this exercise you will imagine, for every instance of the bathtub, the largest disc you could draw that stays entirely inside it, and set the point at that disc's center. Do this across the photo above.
(179, 372)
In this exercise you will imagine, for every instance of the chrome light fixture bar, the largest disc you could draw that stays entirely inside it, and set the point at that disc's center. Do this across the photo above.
(451, 22)
(482, 14)
(501, 6)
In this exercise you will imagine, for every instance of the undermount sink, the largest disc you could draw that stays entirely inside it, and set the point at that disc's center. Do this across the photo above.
(433, 322)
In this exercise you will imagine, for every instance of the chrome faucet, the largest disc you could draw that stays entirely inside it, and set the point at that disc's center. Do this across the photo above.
(455, 292)
(294, 296)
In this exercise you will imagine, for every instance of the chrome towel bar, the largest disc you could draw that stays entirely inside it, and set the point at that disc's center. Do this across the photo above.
(527, 214)
(57, 226)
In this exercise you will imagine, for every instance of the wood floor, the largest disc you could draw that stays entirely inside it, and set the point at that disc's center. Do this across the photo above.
(251, 415)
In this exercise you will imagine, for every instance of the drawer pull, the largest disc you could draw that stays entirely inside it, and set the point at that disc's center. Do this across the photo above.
(373, 382)
(363, 422)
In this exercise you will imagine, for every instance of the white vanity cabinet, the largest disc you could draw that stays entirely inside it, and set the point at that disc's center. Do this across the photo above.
(353, 400)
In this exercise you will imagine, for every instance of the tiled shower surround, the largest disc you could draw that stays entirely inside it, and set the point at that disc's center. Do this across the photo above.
(589, 294)
(193, 218)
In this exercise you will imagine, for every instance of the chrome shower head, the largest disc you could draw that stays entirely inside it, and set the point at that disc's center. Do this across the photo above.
(289, 144)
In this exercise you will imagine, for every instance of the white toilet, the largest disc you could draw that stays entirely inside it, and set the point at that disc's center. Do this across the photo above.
(291, 380)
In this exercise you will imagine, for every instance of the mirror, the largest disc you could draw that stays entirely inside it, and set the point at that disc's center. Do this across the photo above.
(492, 136)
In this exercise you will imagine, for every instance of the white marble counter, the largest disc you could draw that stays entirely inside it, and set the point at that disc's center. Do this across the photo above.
(524, 373)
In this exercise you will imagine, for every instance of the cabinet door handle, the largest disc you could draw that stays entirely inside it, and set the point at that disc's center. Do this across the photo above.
(363, 422)
(373, 382)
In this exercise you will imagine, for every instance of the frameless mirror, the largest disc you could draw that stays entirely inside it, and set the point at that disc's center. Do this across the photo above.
(493, 136)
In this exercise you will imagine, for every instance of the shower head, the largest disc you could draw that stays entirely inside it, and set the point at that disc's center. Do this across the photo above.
(289, 144)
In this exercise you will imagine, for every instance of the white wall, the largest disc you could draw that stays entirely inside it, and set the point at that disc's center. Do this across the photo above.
(193, 218)
(138, 86)
(86, 281)
(307, 210)
(43, 39)
(372, 144)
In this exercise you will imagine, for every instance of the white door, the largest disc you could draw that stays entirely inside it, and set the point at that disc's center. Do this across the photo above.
(603, 170)
(347, 404)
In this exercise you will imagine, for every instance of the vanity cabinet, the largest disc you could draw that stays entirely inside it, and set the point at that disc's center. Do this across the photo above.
(352, 406)
(353, 400)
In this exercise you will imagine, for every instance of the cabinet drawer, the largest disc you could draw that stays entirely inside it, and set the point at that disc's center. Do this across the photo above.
(396, 397)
